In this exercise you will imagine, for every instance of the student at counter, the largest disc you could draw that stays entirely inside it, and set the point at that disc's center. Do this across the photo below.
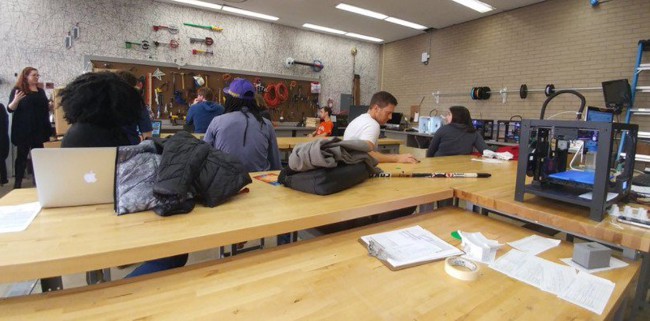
(142, 128)
(367, 127)
(203, 110)
(326, 125)
(243, 132)
(458, 137)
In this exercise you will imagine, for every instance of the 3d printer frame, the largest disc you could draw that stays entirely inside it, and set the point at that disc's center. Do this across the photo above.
(547, 153)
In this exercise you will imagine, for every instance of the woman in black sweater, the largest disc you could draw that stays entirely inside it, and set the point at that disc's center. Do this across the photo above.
(30, 126)
(458, 137)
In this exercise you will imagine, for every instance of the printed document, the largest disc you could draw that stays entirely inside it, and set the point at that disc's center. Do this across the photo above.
(534, 244)
(408, 247)
(580, 288)
(17, 218)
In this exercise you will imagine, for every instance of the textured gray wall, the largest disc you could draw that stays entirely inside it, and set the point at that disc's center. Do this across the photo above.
(32, 33)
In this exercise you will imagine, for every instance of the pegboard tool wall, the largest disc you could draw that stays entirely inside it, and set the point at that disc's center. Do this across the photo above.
(300, 102)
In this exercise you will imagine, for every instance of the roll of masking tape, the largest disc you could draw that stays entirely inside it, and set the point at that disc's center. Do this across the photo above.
(461, 268)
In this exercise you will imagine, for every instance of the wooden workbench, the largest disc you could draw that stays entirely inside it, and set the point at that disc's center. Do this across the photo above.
(328, 278)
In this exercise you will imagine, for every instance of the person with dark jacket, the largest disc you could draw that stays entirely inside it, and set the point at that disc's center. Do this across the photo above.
(203, 111)
(243, 132)
(30, 126)
(98, 106)
(4, 144)
(458, 137)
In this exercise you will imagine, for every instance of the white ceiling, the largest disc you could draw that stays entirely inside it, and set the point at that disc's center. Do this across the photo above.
(431, 13)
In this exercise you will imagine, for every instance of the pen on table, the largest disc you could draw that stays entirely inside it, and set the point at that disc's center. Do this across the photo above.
(433, 175)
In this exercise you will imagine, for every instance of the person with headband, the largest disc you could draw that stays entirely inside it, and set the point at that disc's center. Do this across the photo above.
(458, 137)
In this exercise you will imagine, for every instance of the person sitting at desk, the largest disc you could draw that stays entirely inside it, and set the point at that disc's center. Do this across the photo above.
(326, 125)
(98, 106)
(243, 132)
(458, 137)
(203, 110)
(367, 127)
(142, 128)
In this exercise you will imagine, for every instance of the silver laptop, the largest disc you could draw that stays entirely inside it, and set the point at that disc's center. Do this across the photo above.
(74, 176)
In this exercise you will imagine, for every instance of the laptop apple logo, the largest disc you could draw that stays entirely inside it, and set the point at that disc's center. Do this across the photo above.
(90, 177)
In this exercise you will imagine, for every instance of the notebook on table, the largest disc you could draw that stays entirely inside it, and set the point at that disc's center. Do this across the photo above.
(74, 176)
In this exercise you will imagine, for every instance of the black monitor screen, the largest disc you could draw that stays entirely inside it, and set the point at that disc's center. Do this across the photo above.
(396, 119)
(596, 114)
(356, 111)
(617, 93)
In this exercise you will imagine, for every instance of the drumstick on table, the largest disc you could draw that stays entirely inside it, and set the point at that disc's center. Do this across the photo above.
(433, 175)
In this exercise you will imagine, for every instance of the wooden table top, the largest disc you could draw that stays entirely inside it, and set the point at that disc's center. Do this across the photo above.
(291, 142)
(327, 278)
(498, 193)
(77, 239)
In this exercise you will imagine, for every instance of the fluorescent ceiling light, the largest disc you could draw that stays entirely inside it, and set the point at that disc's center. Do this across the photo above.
(321, 28)
(200, 4)
(406, 23)
(356, 35)
(361, 11)
(249, 13)
(479, 6)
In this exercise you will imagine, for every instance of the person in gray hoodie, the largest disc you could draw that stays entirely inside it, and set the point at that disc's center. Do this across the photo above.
(203, 110)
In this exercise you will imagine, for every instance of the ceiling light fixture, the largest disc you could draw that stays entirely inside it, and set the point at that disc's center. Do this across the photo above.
(361, 11)
(200, 4)
(356, 35)
(479, 6)
(321, 28)
(406, 23)
(249, 13)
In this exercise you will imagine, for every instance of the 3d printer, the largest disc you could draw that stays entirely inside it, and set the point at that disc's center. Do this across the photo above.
(591, 174)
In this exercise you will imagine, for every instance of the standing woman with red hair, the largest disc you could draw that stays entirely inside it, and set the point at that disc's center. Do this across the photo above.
(30, 125)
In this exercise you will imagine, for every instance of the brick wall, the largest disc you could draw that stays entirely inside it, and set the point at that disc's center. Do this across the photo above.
(564, 42)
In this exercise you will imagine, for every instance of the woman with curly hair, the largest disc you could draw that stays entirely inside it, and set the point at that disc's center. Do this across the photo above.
(30, 125)
(98, 105)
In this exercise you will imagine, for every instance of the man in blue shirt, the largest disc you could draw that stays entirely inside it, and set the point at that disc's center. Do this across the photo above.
(203, 110)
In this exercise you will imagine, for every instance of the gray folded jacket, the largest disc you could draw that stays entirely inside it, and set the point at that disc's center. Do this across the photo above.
(328, 153)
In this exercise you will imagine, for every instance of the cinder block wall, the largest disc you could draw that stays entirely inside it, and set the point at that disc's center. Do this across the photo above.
(564, 42)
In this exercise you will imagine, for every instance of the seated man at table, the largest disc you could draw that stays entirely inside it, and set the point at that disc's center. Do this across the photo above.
(367, 127)
(203, 110)
(326, 125)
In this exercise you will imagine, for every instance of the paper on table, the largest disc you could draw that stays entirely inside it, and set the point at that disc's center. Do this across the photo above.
(406, 247)
(590, 292)
(614, 263)
(534, 244)
(479, 248)
(17, 218)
